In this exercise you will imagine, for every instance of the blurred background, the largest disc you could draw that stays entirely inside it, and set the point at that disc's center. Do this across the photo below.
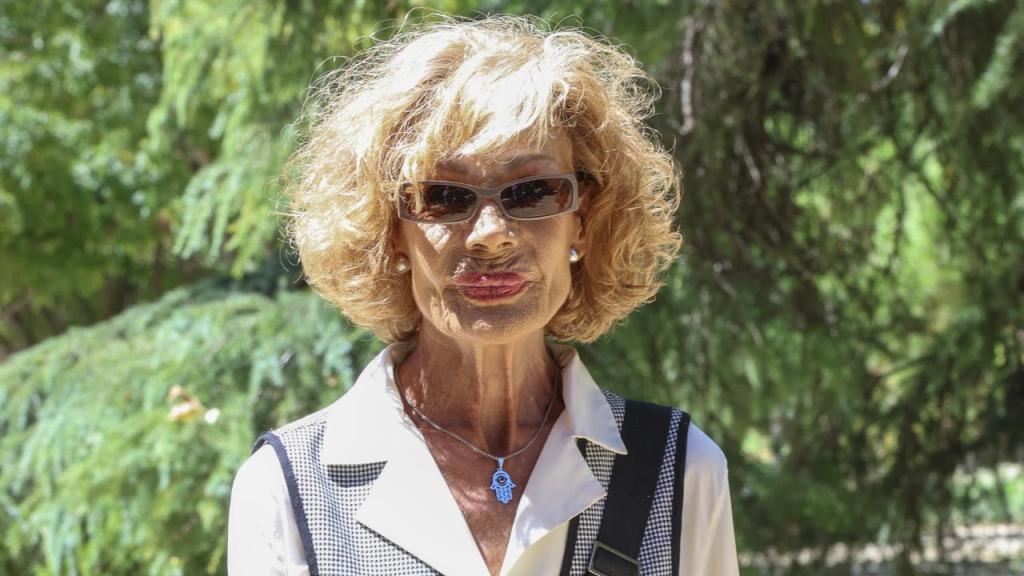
(846, 318)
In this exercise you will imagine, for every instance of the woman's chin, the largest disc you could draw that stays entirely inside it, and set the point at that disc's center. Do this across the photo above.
(494, 323)
(492, 319)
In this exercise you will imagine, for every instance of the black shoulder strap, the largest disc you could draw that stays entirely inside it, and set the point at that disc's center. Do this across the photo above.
(631, 491)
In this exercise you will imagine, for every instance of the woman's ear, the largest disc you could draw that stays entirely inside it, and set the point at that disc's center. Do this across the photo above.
(588, 187)
(396, 242)
(399, 257)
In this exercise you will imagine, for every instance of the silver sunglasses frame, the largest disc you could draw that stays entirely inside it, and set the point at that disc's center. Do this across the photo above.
(484, 193)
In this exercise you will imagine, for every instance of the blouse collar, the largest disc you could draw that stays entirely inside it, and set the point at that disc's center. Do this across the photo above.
(372, 410)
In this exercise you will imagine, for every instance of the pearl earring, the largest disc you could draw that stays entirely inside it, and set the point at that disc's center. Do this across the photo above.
(574, 255)
(402, 265)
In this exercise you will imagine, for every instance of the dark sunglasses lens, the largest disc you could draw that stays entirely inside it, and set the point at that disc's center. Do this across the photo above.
(537, 198)
(440, 202)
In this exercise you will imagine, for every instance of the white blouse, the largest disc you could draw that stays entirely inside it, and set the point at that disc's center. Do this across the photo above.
(367, 424)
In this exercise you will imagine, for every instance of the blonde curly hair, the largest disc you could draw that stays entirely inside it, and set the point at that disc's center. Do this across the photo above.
(452, 87)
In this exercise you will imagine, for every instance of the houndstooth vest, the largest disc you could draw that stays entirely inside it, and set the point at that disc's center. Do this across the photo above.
(325, 499)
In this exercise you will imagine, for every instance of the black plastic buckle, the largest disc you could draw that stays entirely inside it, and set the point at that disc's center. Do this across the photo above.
(607, 561)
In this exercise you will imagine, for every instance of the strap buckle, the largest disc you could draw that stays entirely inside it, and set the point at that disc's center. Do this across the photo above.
(607, 561)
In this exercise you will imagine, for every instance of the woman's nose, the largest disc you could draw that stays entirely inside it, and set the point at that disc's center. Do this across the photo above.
(490, 230)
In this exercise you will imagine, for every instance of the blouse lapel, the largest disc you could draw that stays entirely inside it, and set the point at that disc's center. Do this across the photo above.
(560, 487)
(410, 503)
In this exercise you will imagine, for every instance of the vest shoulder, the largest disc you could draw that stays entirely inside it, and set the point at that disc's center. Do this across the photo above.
(703, 453)
(619, 401)
(303, 425)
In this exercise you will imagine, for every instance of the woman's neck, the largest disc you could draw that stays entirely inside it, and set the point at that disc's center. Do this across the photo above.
(494, 395)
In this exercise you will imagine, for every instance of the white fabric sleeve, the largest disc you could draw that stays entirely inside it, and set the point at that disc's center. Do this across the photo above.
(263, 539)
(708, 541)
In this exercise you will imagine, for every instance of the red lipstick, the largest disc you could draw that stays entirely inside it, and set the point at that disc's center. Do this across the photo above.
(489, 279)
(489, 286)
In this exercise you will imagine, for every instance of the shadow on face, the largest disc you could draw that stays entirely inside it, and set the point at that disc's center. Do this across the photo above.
(492, 278)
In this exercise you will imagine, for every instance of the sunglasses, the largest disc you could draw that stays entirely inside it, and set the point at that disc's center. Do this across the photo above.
(532, 198)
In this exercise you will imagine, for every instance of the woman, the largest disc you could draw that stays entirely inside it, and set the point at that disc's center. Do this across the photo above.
(466, 191)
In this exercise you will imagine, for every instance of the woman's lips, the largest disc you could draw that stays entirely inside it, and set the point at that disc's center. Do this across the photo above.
(489, 286)
(491, 292)
(475, 279)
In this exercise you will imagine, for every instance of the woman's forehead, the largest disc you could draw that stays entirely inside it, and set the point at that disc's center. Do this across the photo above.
(555, 154)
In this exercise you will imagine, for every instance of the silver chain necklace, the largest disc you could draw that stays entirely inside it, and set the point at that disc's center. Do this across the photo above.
(501, 482)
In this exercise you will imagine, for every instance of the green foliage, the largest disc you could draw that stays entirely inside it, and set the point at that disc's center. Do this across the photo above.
(81, 201)
(121, 441)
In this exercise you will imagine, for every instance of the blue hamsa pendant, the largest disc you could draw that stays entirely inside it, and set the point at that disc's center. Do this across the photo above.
(502, 483)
